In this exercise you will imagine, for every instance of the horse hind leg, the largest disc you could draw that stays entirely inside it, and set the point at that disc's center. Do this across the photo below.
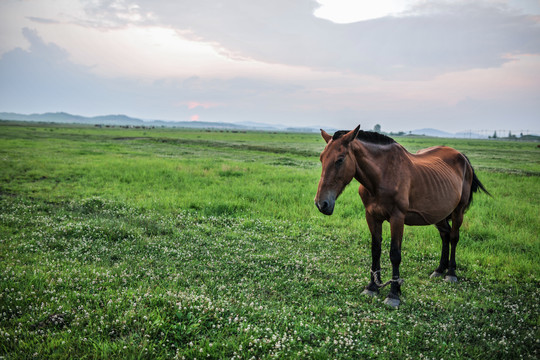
(444, 231)
(457, 220)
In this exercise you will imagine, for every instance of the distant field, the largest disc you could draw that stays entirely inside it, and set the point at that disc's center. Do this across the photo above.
(164, 243)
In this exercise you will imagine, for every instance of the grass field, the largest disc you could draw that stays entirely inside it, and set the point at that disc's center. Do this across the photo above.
(167, 243)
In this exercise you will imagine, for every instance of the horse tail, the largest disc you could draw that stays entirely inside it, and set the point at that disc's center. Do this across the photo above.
(476, 185)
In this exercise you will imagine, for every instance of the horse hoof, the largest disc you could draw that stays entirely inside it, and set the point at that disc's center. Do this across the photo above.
(435, 275)
(370, 293)
(450, 278)
(392, 302)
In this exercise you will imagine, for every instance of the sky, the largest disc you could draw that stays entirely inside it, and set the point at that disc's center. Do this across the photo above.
(403, 64)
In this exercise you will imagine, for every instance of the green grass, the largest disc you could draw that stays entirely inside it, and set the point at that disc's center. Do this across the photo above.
(164, 243)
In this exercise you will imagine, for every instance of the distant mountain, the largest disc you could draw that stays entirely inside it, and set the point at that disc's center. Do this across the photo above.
(115, 119)
(439, 133)
(124, 120)
(62, 117)
(470, 135)
(432, 132)
(253, 124)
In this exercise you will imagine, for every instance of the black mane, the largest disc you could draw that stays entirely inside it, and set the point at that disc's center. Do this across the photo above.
(367, 136)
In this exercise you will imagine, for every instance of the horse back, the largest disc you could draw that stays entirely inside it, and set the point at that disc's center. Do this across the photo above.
(432, 157)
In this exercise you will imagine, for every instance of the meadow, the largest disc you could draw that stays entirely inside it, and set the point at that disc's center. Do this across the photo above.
(169, 243)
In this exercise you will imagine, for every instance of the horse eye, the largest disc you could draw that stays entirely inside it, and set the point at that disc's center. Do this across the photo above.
(339, 161)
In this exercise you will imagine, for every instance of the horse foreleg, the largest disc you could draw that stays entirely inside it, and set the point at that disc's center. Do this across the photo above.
(444, 230)
(396, 230)
(375, 227)
(457, 220)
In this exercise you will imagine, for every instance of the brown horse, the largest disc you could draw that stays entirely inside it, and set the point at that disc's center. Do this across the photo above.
(433, 186)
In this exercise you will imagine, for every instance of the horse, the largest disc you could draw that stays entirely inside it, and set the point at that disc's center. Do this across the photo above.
(432, 187)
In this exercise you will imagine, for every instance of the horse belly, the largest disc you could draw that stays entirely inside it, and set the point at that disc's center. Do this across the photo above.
(431, 210)
(416, 218)
(434, 194)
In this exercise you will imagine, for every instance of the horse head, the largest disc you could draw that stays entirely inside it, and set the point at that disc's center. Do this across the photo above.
(338, 169)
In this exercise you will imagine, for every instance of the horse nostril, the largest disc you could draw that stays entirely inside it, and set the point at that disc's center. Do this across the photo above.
(324, 205)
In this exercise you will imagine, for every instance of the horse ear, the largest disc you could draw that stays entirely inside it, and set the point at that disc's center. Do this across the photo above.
(327, 137)
(356, 131)
(351, 135)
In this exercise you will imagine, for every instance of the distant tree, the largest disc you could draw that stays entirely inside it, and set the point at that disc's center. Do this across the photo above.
(494, 135)
(377, 128)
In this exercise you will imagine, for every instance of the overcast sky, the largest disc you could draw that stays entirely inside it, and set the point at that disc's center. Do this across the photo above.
(404, 64)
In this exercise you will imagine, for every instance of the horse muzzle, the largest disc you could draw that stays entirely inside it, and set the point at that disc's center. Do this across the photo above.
(325, 206)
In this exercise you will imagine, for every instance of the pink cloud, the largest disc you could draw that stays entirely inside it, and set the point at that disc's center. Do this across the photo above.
(194, 117)
(195, 104)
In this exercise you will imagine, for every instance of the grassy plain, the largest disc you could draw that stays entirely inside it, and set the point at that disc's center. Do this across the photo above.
(164, 243)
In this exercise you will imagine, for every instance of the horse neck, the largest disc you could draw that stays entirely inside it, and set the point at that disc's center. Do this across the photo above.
(372, 160)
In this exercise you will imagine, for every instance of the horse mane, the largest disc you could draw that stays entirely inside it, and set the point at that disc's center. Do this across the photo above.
(367, 136)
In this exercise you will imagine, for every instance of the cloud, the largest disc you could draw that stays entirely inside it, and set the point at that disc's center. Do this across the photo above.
(43, 78)
(277, 63)
(429, 40)
(41, 49)
(205, 105)
(42, 20)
